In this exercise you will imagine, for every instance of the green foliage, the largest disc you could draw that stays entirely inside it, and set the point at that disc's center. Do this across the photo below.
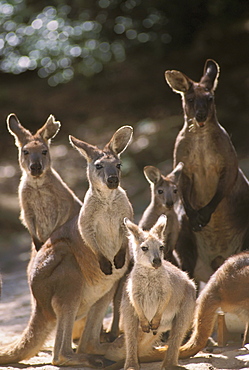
(62, 40)
(66, 38)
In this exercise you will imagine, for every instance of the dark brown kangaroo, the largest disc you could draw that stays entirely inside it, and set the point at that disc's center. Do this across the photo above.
(214, 191)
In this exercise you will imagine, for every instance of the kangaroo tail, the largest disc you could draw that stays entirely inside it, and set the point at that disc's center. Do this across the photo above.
(33, 337)
(203, 324)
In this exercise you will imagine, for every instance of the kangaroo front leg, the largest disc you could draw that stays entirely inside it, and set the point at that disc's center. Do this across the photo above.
(205, 213)
(89, 235)
(190, 211)
(155, 322)
(144, 322)
(119, 259)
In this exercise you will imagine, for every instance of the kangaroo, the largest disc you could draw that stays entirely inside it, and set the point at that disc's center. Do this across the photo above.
(214, 190)
(46, 202)
(65, 279)
(228, 289)
(164, 200)
(158, 297)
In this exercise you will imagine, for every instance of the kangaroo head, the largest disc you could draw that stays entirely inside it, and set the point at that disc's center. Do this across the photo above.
(147, 246)
(34, 156)
(104, 165)
(164, 189)
(198, 97)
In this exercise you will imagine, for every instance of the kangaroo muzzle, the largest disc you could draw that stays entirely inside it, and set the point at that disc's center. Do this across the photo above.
(36, 169)
(157, 262)
(112, 182)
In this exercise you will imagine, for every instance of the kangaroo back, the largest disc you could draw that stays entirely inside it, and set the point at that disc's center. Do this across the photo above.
(227, 289)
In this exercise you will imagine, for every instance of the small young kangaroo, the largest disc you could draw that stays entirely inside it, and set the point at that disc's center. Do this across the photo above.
(164, 200)
(214, 191)
(158, 297)
(227, 289)
(46, 202)
(65, 279)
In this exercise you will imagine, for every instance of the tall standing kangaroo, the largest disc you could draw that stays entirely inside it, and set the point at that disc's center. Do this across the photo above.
(46, 202)
(228, 289)
(66, 279)
(214, 190)
(158, 297)
(164, 200)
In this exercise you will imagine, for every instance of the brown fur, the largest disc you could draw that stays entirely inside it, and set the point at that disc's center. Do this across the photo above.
(227, 289)
(46, 202)
(66, 280)
(164, 200)
(214, 191)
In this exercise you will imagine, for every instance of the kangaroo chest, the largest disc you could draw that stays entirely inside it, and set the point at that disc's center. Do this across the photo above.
(150, 289)
(42, 211)
(203, 163)
(107, 223)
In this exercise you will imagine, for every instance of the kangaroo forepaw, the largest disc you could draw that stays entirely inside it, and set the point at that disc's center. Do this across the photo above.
(145, 325)
(204, 216)
(154, 325)
(119, 259)
(105, 265)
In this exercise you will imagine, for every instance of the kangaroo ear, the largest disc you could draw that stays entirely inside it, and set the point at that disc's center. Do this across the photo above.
(159, 227)
(152, 174)
(176, 173)
(17, 130)
(88, 151)
(210, 74)
(49, 129)
(134, 230)
(120, 140)
(178, 81)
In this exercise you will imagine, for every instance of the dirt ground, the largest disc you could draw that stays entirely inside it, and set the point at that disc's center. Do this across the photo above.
(14, 315)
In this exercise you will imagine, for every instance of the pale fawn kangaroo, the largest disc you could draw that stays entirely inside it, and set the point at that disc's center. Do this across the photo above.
(65, 279)
(164, 200)
(227, 289)
(214, 190)
(46, 202)
(158, 297)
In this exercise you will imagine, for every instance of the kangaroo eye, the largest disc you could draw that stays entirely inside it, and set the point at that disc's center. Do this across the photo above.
(161, 247)
(44, 152)
(119, 166)
(190, 100)
(175, 191)
(160, 191)
(144, 249)
(25, 152)
(98, 166)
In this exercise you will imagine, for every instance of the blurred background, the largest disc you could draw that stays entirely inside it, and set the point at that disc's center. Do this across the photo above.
(99, 65)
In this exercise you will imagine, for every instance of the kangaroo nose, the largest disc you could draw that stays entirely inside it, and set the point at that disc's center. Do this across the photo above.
(112, 182)
(35, 168)
(201, 116)
(156, 262)
(169, 204)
